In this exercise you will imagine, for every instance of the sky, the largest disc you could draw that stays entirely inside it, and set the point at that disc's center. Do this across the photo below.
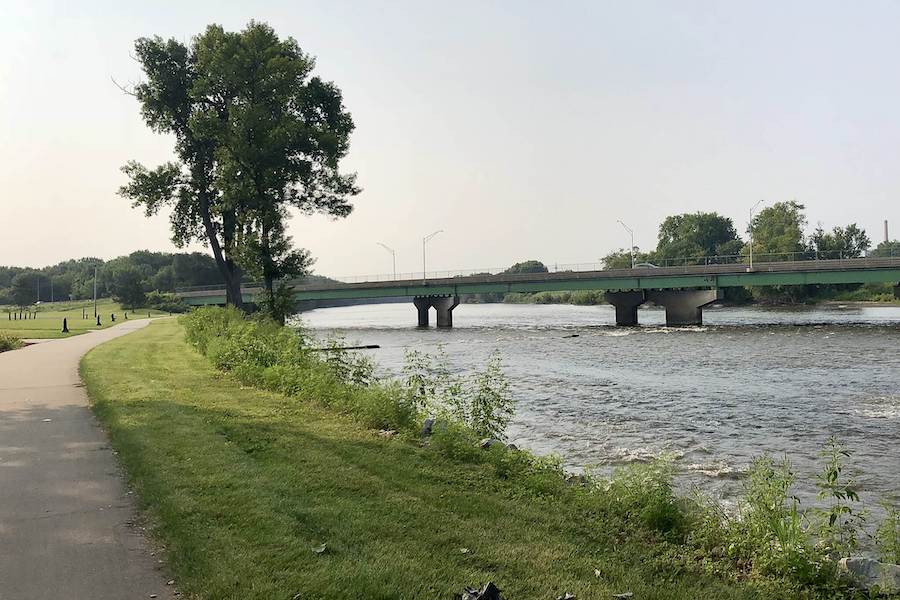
(523, 130)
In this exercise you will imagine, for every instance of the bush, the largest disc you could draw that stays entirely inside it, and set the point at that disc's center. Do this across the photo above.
(644, 493)
(480, 402)
(261, 353)
(9, 342)
(887, 537)
(165, 302)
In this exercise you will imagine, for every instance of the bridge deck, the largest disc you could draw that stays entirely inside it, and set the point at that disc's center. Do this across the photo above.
(856, 270)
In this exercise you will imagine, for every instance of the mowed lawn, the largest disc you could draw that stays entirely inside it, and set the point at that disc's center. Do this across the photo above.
(49, 320)
(242, 486)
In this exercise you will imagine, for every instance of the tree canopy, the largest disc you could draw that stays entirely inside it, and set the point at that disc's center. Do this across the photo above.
(256, 134)
(778, 229)
(697, 234)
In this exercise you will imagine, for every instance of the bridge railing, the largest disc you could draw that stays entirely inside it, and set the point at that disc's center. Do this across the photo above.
(836, 258)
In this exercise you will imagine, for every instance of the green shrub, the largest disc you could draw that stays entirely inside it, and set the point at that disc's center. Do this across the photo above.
(165, 302)
(9, 342)
(643, 493)
(481, 402)
(887, 536)
(840, 524)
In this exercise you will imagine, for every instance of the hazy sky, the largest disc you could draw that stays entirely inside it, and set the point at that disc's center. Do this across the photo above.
(523, 130)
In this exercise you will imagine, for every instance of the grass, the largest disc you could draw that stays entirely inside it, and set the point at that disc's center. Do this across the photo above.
(241, 485)
(49, 319)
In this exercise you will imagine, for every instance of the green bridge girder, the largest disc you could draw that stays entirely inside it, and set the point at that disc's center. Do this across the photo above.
(863, 270)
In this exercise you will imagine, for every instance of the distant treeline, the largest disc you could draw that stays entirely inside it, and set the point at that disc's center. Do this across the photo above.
(138, 279)
(126, 278)
(708, 237)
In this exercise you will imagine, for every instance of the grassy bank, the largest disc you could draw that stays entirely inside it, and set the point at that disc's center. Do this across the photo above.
(322, 487)
(48, 319)
(244, 485)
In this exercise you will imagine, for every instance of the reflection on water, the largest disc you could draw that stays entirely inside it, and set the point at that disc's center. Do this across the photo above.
(750, 380)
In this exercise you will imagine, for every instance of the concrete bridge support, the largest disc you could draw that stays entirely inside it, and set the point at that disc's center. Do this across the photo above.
(684, 307)
(626, 305)
(444, 306)
(422, 303)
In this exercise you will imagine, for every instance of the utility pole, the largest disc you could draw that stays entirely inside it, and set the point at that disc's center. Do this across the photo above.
(393, 257)
(424, 242)
(95, 291)
(751, 234)
(630, 248)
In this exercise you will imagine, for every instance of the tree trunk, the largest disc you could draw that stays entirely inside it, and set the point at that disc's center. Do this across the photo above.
(230, 272)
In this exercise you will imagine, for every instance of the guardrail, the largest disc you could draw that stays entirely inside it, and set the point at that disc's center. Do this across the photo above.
(761, 262)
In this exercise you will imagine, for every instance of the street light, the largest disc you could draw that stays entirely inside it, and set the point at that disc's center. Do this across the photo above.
(393, 257)
(751, 233)
(631, 248)
(424, 242)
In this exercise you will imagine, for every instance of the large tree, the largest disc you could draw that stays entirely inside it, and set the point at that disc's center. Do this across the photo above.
(173, 102)
(840, 242)
(280, 146)
(696, 236)
(778, 231)
(256, 134)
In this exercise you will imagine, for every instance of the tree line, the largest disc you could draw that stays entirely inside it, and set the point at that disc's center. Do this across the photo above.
(127, 279)
(777, 233)
(708, 237)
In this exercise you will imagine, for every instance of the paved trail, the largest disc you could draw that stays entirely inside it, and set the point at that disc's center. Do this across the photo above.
(65, 515)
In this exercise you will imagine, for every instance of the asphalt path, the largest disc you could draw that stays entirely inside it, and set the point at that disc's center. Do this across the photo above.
(68, 526)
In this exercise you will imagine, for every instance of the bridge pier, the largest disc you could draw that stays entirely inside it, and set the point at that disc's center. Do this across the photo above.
(626, 305)
(684, 307)
(443, 305)
(422, 304)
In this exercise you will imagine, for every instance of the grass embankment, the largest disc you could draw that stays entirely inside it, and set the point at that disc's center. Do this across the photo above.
(244, 484)
(48, 318)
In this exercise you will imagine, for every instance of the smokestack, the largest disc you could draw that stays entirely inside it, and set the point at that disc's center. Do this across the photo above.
(885, 232)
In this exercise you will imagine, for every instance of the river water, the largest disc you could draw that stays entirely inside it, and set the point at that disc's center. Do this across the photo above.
(750, 380)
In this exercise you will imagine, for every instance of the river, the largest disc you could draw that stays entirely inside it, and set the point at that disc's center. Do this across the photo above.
(750, 380)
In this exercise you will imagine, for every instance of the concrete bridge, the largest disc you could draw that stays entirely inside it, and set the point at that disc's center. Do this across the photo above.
(682, 290)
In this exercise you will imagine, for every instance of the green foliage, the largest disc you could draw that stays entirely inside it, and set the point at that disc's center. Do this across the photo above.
(887, 536)
(697, 235)
(528, 266)
(887, 249)
(840, 524)
(772, 532)
(124, 282)
(261, 353)
(9, 342)
(778, 230)
(840, 242)
(621, 258)
(644, 493)
(165, 302)
(481, 402)
(279, 304)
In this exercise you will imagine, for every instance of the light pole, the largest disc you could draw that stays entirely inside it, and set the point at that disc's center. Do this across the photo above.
(393, 257)
(630, 248)
(95, 291)
(424, 242)
(751, 233)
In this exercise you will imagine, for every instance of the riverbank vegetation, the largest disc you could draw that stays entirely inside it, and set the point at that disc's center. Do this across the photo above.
(274, 467)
